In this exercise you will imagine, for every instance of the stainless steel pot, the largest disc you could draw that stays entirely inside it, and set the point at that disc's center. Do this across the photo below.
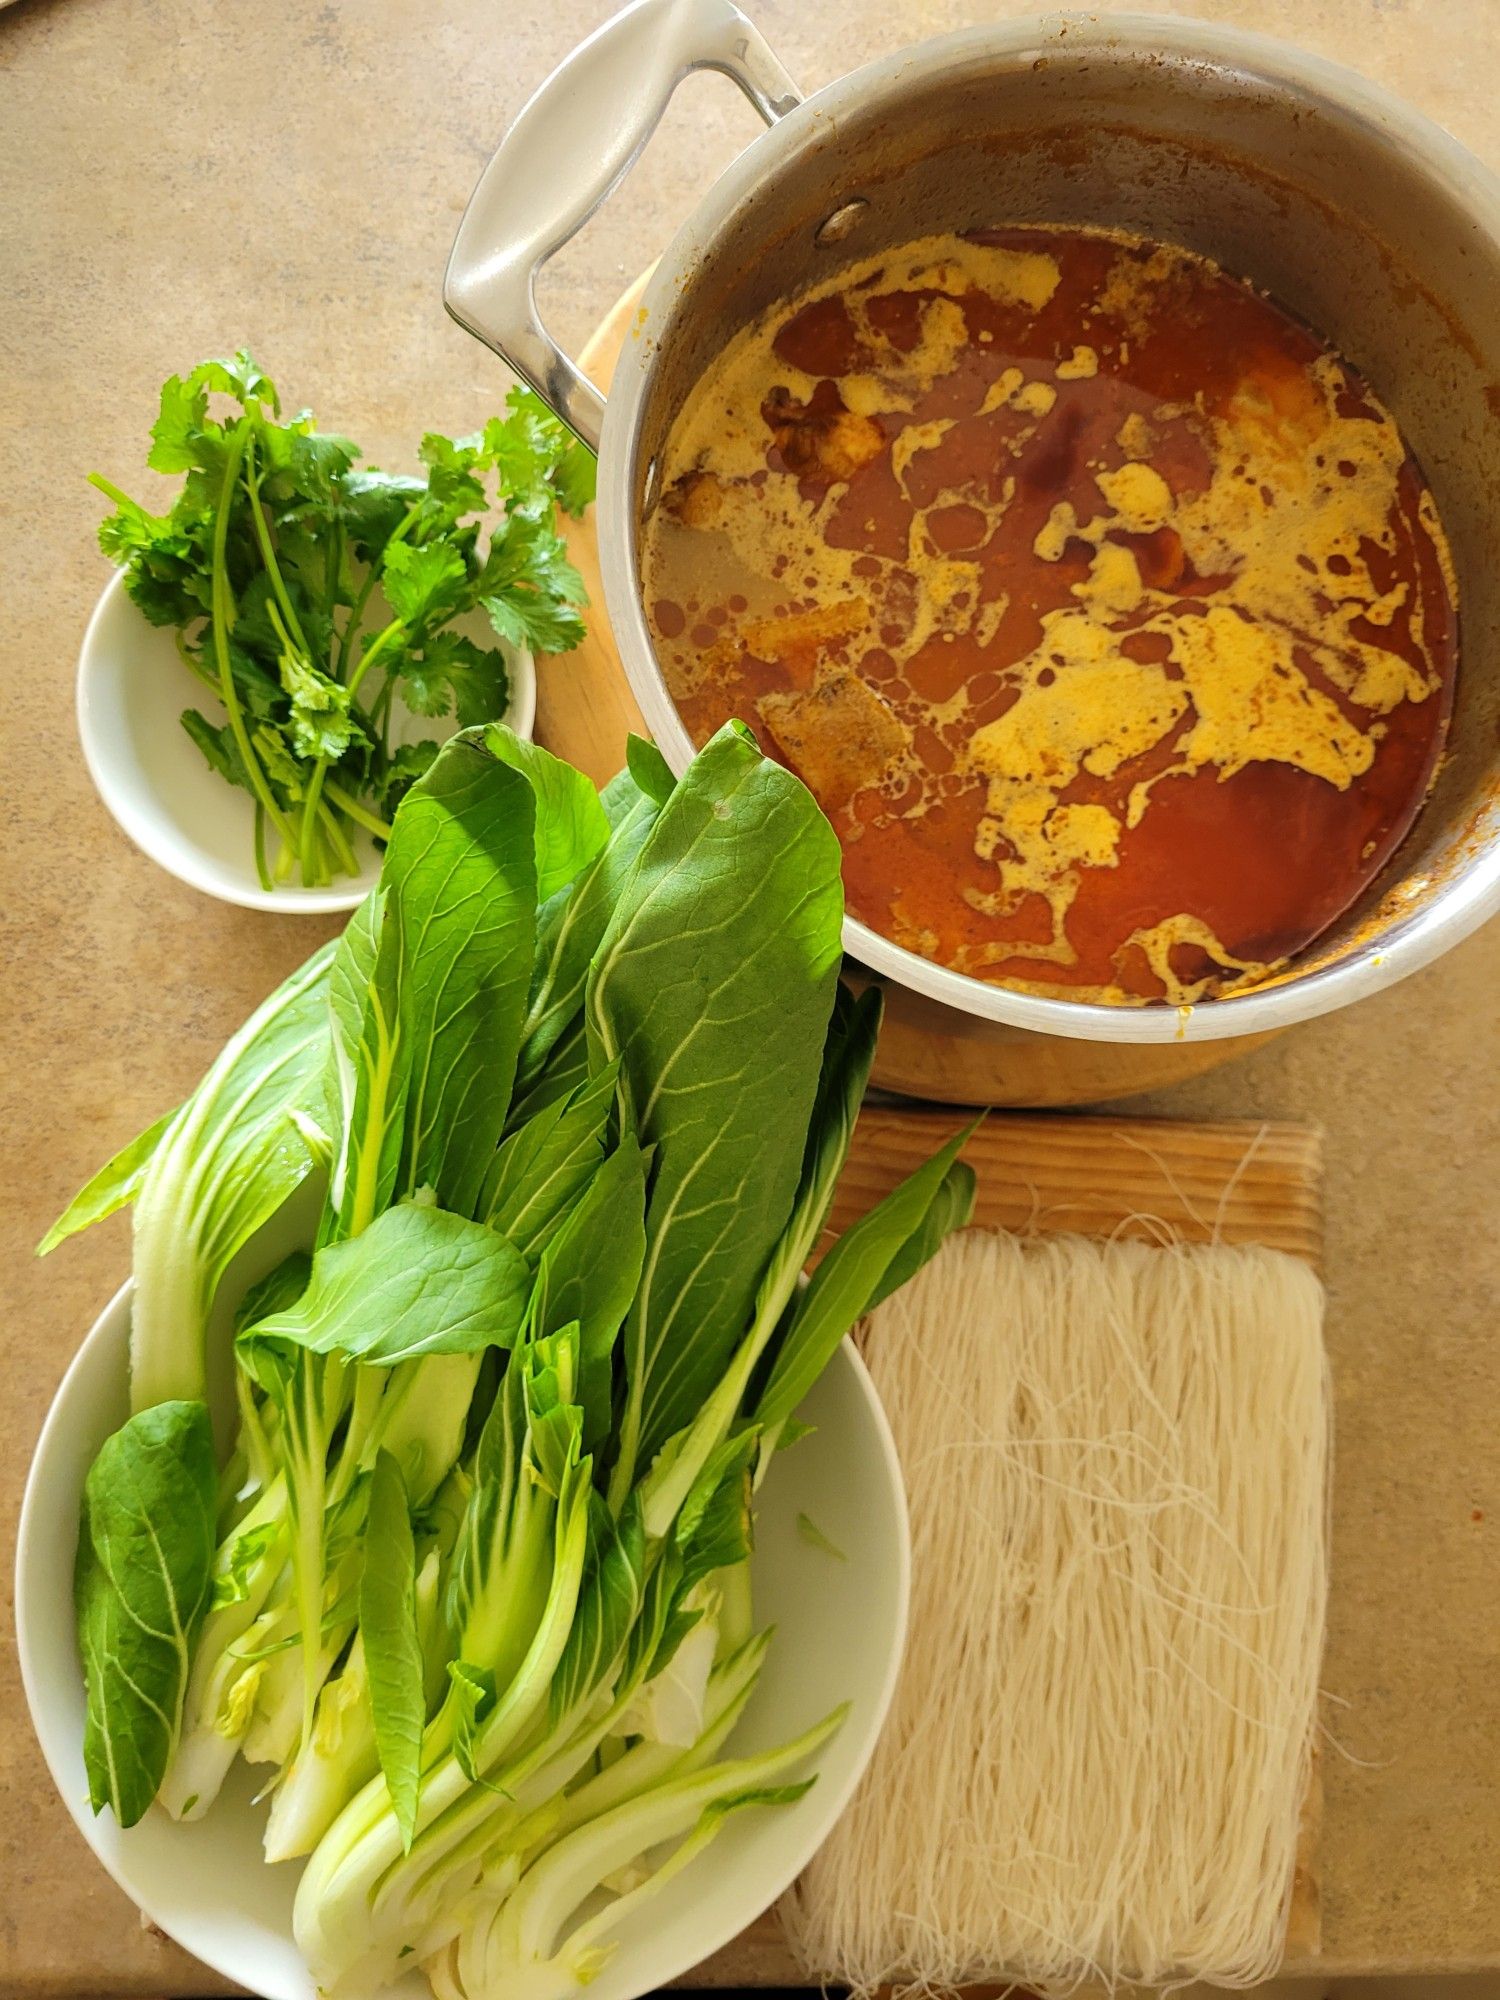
(1363, 217)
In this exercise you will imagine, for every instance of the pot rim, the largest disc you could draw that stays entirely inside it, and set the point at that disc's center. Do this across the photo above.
(1424, 149)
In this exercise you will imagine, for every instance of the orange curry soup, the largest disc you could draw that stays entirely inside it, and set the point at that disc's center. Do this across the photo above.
(1100, 604)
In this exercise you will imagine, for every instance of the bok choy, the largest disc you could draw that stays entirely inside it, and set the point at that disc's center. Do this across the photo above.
(577, 1084)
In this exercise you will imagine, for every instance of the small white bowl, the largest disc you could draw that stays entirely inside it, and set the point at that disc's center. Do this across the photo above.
(840, 1629)
(133, 687)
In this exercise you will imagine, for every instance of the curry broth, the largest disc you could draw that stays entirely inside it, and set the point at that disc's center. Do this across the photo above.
(1100, 604)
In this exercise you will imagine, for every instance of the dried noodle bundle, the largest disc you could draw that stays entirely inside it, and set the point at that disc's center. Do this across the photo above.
(1117, 1457)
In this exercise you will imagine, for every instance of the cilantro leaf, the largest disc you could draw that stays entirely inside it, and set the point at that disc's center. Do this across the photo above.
(526, 548)
(219, 748)
(257, 684)
(130, 528)
(182, 437)
(534, 452)
(454, 475)
(575, 477)
(526, 618)
(518, 446)
(163, 567)
(529, 586)
(316, 464)
(451, 673)
(254, 630)
(238, 377)
(424, 582)
(320, 723)
(375, 504)
(280, 766)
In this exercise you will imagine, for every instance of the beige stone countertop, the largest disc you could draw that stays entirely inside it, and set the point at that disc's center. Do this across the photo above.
(180, 176)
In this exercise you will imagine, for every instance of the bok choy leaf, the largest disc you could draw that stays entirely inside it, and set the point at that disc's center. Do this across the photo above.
(547, 1161)
(572, 922)
(418, 1281)
(218, 1169)
(570, 824)
(113, 1187)
(588, 1274)
(854, 1271)
(392, 1644)
(716, 1005)
(142, 1581)
(440, 1020)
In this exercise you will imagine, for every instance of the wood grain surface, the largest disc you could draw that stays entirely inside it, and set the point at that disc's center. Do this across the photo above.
(1154, 1178)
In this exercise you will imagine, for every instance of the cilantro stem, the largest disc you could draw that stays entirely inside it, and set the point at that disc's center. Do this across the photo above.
(195, 661)
(380, 713)
(356, 616)
(222, 620)
(325, 862)
(261, 870)
(268, 551)
(351, 808)
(355, 619)
(112, 492)
(395, 630)
(310, 810)
(338, 840)
(333, 570)
(307, 850)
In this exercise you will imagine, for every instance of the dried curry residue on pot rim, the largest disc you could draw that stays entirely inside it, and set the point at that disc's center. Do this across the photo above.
(1099, 602)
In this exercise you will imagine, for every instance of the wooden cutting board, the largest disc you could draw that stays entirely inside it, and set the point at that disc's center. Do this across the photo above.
(585, 711)
(1155, 1178)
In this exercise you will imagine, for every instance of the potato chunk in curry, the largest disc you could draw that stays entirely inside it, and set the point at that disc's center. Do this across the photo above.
(838, 737)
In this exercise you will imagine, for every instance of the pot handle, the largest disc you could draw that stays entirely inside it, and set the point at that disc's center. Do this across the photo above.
(568, 150)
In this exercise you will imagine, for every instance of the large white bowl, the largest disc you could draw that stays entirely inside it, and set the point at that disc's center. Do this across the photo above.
(840, 1628)
(132, 689)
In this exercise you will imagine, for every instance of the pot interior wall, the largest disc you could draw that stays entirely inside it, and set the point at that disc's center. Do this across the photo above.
(1309, 202)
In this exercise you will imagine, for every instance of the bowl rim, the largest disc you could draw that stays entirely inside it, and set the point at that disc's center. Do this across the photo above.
(31, 1583)
(176, 852)
(1311, 83)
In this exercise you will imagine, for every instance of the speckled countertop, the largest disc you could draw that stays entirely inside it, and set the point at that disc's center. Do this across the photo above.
(182, 175)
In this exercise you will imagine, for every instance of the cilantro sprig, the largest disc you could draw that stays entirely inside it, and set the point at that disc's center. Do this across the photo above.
(312, 594)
